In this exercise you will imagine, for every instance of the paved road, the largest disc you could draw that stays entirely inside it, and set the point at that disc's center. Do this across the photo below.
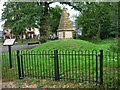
(18, 47)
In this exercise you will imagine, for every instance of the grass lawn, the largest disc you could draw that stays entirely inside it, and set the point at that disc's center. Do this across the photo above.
(77, 44)
(38, 64)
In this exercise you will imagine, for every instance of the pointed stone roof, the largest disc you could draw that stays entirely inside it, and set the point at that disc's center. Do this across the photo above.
(65, 23)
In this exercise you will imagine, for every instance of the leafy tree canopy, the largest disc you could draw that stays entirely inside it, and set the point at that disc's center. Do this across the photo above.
(21, 15)
(98, 19)
(54, 18)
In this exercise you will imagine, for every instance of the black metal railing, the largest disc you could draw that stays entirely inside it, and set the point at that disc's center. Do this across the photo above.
(92, 67)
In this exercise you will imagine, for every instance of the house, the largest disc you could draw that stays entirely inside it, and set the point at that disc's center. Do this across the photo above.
(32, 33)
(8, 34)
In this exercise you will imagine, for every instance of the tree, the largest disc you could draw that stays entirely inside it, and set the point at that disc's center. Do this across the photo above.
(96, 19)
(54, 18)
(19, 16)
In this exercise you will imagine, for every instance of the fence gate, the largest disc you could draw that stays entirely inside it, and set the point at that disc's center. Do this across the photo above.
(80, 66)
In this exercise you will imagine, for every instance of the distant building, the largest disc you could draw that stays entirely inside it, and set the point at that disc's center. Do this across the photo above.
(8, 34)
(65, 29)
(28, 34)
(31, 33)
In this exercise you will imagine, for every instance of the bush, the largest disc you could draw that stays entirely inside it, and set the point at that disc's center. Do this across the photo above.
(115, 47)
(43, 39)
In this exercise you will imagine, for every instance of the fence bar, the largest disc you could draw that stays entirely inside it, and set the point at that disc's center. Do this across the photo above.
(19, 70)
(56, 65)
(96, 69)
(101, 67)
(10, 58)
(118, 62)
(22, 66)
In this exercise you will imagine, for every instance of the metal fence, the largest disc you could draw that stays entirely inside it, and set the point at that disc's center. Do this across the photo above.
(92, 67)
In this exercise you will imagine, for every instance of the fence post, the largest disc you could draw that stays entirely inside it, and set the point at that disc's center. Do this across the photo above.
(10, 58)
(22, 67)
(56, 65)
(101, 67)
(18, 60)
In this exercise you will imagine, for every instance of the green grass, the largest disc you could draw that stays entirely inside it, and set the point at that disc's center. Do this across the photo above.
(46, 83)
(70, 66)
(76, 44)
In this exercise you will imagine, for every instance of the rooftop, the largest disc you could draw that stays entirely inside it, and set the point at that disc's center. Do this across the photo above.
(65, 23)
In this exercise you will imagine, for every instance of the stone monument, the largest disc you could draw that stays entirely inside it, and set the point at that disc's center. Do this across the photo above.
(65, 29)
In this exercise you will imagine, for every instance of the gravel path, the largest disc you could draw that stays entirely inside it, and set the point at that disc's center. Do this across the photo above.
(14, 85)
(8, 85)
(18, 47)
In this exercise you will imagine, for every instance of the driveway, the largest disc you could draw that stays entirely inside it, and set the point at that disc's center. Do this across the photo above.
(18, 47)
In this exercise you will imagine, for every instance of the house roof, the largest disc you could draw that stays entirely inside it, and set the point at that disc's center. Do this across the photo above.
(30, 32)
(65, 23)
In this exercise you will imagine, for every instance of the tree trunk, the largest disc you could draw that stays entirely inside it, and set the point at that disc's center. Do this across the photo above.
(98, 34)
(44, 22)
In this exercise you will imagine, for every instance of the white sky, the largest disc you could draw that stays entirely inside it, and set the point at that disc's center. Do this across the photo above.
(71, 11)
(1, 7)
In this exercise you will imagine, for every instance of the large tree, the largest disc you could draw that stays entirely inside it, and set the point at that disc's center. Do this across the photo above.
(98, 19)
(21, 15)
(54, 18)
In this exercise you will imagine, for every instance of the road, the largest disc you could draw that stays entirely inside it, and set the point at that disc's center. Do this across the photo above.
(18, 47)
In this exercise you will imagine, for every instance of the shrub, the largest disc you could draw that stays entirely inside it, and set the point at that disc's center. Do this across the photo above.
(43, 39)
(39, 86)
(115, 47)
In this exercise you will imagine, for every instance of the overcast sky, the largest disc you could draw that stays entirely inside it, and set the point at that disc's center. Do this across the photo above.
(1, 7)
(71, 11)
